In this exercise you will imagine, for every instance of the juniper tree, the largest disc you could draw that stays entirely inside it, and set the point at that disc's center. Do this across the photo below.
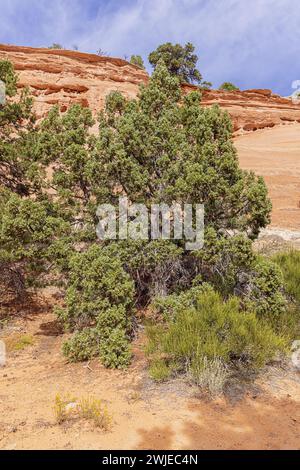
(137, 60)
(227, 86)
(165, 148)
(29, 222)
(180, 61)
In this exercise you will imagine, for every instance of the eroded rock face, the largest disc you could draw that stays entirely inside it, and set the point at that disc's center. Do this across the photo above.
(275, 155)
(64, 77)
(251, 110)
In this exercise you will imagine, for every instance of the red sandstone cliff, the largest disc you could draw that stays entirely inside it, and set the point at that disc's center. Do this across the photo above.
(65, 77)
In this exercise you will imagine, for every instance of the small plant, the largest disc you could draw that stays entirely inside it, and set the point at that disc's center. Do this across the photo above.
(92, 409)
(138, 61)
(159, 371)
(227, 86)
(67, 407)
(289, 263)
(61, 410)
(56, 45)
(18, 342)
(209, 375)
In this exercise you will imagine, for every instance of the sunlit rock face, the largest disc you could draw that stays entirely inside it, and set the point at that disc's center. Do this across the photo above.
(251, 110)
(64, 77)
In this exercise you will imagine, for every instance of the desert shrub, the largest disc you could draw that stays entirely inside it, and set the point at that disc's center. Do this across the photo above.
(114, 350)
(96, 283)
(137, 60)
(99, 303)
(204, 326)
(18, 342)
(211, 376)
(228, 86)
(268, 284)
(289, 263)
(93, 409)
(60, 407)
(158, 370)
(8, 76)
(28, 230)
(263, 287)
(82, 346)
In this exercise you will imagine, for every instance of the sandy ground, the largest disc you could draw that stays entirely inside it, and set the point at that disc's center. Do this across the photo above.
(275, 154)
(263, 415)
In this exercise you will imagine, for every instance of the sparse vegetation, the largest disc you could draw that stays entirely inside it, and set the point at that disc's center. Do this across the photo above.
(18, 342)
(92, 409)
(210, 375)
(289, 263)
(89, 408)
(102, 52)
(56, 45)
(158, 370)
(202, 332)
(60, 410)
(137, 60)
(228, 86)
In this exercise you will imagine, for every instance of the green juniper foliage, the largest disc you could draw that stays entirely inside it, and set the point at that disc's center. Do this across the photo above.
(228, 86)
(99, 305)
(29, 222)
(180, 61)
(137, 60)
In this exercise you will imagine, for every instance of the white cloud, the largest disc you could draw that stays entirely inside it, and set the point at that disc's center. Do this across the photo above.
(252, 43)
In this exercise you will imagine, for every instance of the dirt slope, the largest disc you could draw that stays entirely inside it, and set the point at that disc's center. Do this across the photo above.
(275, 154)
(145, 415)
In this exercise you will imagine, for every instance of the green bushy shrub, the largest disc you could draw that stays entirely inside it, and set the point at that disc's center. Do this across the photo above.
(82, 346)
(96, 283)
(228, 86)
(99, 302)
(289, 263)
(264, 289)
(202, 326)
(114, 350)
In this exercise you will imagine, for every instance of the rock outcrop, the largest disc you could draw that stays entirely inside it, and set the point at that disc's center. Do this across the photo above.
(251, 110)
(64, 77)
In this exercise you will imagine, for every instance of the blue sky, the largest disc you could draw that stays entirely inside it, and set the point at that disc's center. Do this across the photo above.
(253, 43)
